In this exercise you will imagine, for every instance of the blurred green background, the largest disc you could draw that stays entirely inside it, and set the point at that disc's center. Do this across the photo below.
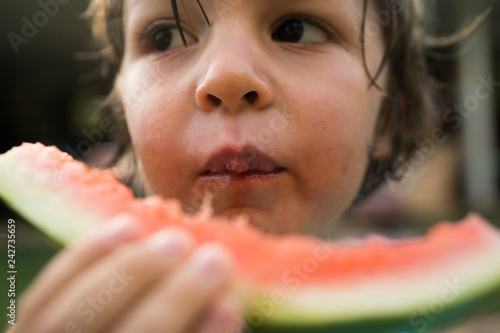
(50, 87)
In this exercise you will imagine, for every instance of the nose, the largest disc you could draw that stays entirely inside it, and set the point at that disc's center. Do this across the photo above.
(232, 80)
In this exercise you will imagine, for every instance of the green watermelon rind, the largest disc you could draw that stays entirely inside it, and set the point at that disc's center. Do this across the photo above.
(483, 299)
(403, 323)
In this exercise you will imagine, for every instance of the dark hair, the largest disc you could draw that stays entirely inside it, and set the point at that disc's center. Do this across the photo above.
(410, 99)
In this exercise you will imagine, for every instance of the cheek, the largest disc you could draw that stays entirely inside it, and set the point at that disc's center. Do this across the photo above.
(144, 103)
(336, 126)
(154, 117)
(156, 129)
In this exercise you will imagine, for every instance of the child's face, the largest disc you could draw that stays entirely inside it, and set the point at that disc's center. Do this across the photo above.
(268, 111)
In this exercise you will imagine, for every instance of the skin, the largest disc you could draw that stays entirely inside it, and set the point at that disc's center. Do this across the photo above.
(309, 109)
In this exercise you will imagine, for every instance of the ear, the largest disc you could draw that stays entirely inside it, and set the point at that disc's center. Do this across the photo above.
(381, 148)
(389, 123)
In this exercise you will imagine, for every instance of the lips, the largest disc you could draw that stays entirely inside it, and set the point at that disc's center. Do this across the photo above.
(238, 162)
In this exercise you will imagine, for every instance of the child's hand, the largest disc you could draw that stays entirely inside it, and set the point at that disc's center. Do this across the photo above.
(119, 282)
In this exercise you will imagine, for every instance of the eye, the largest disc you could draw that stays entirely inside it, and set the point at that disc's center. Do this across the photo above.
(161, 37)
(298, 30)
(162, 40)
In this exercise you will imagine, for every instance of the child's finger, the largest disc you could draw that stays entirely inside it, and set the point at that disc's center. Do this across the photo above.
(178, 301)
(100, 294)
(73, 260)
(223, 316)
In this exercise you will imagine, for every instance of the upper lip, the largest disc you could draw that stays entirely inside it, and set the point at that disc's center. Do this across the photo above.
(238, 161)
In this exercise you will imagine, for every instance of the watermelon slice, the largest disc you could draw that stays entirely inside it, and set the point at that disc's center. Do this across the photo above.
(288, 283)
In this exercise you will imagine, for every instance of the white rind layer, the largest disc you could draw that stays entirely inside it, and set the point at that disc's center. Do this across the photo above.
(422, 293)
(24, 190)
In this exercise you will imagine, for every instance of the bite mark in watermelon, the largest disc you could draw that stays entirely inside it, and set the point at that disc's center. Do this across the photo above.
(288, 283)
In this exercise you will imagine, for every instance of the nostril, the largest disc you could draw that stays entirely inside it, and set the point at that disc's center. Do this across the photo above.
(215, 100)
(251, 96)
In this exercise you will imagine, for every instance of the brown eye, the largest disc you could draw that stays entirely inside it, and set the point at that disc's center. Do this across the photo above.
(290, 31)
(300, 31)
(162, 39)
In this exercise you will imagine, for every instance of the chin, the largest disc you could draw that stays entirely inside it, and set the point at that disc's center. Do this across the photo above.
(271, 222)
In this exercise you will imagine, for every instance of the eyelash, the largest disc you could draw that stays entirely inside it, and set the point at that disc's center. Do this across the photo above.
(146, 33)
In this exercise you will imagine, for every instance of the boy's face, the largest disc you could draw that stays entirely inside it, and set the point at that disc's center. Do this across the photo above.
(268, 109)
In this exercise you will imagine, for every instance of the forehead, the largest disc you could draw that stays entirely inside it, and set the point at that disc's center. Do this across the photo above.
(352, 8)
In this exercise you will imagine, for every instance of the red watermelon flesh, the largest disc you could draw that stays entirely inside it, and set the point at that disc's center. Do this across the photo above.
(287, 281)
